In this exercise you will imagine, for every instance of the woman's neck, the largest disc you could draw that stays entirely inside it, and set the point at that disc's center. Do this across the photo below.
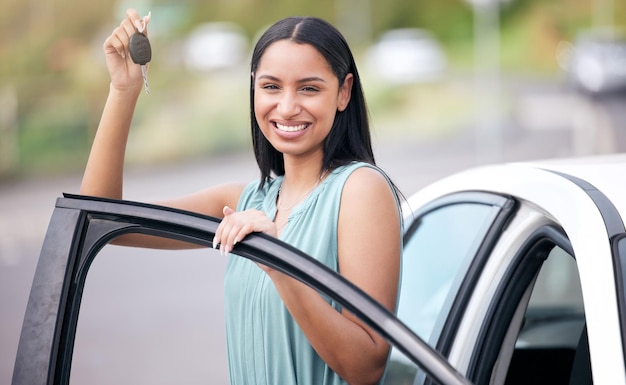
(300, 176)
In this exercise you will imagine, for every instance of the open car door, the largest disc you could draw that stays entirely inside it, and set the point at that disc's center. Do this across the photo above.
(81, 226)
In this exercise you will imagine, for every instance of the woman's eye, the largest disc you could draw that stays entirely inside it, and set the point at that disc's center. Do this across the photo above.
(309, 89)
(269, 87)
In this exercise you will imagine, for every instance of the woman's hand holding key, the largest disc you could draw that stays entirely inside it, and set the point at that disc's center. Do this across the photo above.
(124, 73)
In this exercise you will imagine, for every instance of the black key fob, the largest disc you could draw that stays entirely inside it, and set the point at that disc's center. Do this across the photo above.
(139, 49)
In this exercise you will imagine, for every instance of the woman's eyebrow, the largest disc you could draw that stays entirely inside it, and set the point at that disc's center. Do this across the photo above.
(303, 80)
(268, 77)
(312, 79)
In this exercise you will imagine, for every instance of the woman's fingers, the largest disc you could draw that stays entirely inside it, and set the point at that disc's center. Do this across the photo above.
(113, 44)
(235, 226)
(120, 37)
(117, 42)
(124, 73)
(223, 230)
(227, 211)
(223, 235)
(144, 23)
(140, 24)
(133, 16)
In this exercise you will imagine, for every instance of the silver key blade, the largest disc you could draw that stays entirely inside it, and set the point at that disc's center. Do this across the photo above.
(144, 73)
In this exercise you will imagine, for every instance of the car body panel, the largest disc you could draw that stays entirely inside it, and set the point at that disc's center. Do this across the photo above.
(555, 189)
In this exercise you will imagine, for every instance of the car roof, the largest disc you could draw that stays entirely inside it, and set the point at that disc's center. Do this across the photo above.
(607, 173)
(602, 172)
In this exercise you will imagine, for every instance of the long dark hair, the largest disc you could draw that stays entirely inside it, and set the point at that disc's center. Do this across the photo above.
(349, 138)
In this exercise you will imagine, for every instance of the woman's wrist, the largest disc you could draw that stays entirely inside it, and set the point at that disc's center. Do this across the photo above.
(125, 92)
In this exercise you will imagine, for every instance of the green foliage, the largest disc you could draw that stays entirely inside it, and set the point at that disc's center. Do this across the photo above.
(56, 137)
(50, 53)
(449, 20)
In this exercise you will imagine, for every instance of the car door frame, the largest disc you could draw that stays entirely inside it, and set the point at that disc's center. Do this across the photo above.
(80, 226)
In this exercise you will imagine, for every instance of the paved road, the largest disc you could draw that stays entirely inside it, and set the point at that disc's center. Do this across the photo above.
(151, 317)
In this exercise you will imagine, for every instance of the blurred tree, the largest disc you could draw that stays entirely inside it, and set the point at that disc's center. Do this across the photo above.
(49, 48)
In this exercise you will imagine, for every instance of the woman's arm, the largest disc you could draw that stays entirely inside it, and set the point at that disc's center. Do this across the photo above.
(104, 173)
(369, 256)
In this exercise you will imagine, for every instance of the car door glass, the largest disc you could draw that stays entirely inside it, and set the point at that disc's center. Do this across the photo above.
(556, 299)
(151, 316)
(553, 331)
(435, 260)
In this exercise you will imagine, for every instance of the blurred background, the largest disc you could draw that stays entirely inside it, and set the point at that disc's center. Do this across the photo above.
(450, 84)
(429, 70)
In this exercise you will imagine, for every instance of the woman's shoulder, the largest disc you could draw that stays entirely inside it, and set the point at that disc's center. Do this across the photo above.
(369, 183)
(366, 180)
(362, 173)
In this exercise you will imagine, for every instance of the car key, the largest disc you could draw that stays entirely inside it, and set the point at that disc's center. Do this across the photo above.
(141, 53)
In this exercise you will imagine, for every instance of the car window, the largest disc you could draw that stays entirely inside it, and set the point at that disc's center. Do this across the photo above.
(435, 260)
(556, 297)
(151, 317)
(553, 330)
(439, 249)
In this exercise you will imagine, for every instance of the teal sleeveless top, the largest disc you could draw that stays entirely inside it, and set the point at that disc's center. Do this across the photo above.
(264, 343)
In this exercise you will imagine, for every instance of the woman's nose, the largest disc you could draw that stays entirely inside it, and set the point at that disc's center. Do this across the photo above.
(288, 104)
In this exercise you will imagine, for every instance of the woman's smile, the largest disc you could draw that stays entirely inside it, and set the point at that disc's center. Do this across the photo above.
(291, 127)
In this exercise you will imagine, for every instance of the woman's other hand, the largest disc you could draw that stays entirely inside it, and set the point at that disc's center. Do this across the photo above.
(236, 225)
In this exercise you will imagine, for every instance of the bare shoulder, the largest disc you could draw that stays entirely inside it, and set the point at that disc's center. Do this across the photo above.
(367, 193)
(368, 183)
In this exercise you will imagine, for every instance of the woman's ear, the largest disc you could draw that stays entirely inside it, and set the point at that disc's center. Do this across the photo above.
(345, 92)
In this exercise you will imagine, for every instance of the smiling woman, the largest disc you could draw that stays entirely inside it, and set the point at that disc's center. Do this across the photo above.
(296, 109)
(318, 188)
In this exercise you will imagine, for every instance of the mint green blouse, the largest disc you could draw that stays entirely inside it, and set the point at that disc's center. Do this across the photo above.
(264, 343)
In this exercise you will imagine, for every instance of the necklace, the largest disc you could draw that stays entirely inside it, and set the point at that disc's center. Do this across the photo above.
(279, 205)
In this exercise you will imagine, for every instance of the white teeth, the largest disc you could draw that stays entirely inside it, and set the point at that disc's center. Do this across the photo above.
(299, 127)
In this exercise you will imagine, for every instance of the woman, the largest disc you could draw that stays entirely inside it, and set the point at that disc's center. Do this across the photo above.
(318, 191)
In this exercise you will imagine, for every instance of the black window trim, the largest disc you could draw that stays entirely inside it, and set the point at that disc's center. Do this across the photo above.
(47, 337)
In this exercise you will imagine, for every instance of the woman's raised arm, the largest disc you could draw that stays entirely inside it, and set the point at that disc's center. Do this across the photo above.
(103, 175)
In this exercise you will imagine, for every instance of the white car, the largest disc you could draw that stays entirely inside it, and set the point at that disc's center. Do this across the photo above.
(596, 61)
(404, 56)
(509, 270)
(512, 274)
(215, 46)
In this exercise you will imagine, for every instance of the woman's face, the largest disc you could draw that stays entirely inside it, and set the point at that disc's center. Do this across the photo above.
(296, 97)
